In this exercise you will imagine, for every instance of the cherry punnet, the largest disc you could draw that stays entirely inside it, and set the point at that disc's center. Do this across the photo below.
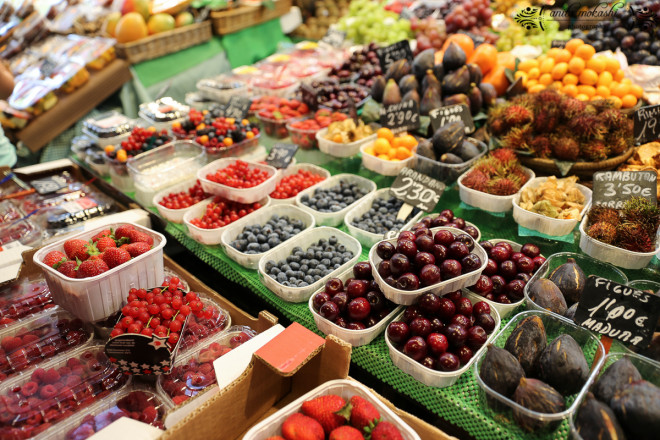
(448, 362)
(416, 348)
(385, 250)
(398, 332)
(437, 343)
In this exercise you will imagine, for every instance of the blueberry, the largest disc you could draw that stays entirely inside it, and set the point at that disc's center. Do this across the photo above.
(281, 277)
(265, 247)
(269, 265)
(294, 265)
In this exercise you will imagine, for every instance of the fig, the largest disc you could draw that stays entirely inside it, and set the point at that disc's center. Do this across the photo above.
(537, 396)
(423, 62)
(595, 420)
(453, 58)
(570, 312)
(570, 279)
(438, 71)
(459, 98)
(411, 94)
(450, 158)
(448, 137)
(488, 93)
(430, 101)
(456, 82)
(637, 409)
(398, 70)
(408, 83)
(617, 376)
(378, 88)
(466, 150)
(425, 149)
(527, 342)
(475, 74)
(476, 100)
(548, 296)
(391, 94)
(563, 365)
(501, 371)
(430, 81)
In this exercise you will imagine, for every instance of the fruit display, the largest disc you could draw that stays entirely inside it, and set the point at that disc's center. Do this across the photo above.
(303, 132)
(137, 20)
(381, 217)
(633, 227)
(443, 333)
(257, 238)
(334, 198)
(507, 271)
(447, 219)
(205, 324)
(140, 140)
(348, 131)
(21, 300)
(162, 110)
(292, 184)
(239, 174)
(220, 212)
(368, 22)
(645, 158)
(214, 132)
(498, 174)
(473, 16)
(184, 199)
(554, 198)
(389, 147)
(551, 125)
(362, 66)
(103, 252)
(516, 35)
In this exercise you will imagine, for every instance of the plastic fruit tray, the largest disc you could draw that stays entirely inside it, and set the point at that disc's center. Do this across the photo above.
(241, 195)
(200, 329)
(338, 149)
(23, 299)
(293, 169)
(467, 223)
(447, 172)
(276, 128)
(382, 166)
(174, 215)
(305, 139)
(485, 201)
(110, 128)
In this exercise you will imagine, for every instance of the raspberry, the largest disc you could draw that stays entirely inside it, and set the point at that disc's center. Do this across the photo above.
(48, 391)
(38, 374)
(50, 376)
(29, 389)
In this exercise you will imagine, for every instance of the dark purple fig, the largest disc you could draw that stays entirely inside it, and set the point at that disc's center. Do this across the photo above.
(456, 82)
(596, 420)
(408, 83)
(563, 365)
(392, 94)
(570, 280)
(398, 70)
(636, 408)
(423, 62)
(475, 74)
(431, 100)
(617, 377)
(430, 81)
(453, 58)
(547, 295)
(501, 371)
(457, 98)
(537, 396)
(378, 88)
(527, 342)
(476, 100)
(412, 95)
(488, 94)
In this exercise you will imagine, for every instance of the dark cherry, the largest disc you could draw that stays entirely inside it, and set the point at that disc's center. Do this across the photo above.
(385, 250)
(498, 284)
(407, 281)
(531, 250)
(424, 258)
(424, 243)
(481, 307)
(429, 362)
(422, 231)
(358, 309)
(341, 322)
(450, 269)
(464, 306)
(319, 299)
(437, 326)
(430, 275)
(459, 222)
(471, 231)
(491, 268)
(456, 334)
(490, 296)
(390, 280)
(356, 326)
(371, 321)
(382, 314)
(464, 354)
(347, 282)
(444, 237)
(429, 303)
(384, 268)
(452, 225)
(407, 248)
(458, 250)
(373, 285)
(448, 362)
(411, 313)
(416, 348)
(439, 252)
(515, 290)
(455, 295)
(329, 311)
(508, 269)
(538, 262)
(505, 245)
(466, 240)
(398, 332)
(426, 221)
(461, 320)
(487, 245)
(341, 299)
(525, 264)
(420, 326)
(477, 337)
(471, 262)
(503, 299)
(376, 300)
(447, 308)
(524, 277)
(516, 256)
(483, 286)
(437, 343)
(406, 235)
(500, 253)
(448, 214)
(399, 264)
(333, 286)
(362, 270)
(485, 321)
(356, 288)
(440, 220)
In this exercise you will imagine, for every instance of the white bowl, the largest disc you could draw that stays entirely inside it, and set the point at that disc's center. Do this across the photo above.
(408, 297)
(382, 166)
(261, 216)
(293, 169)
(356, 338)
(304, 240)
(209, 236)
(241, 195)
(485, 201)
(434, 378)
(368, 239)
(334, 218)
(338, 149)
(174, 215)
(547, 225)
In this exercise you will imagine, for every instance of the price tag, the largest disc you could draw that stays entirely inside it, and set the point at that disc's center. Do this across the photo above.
(614, 188)
(618, 311)
(49, 184)
(334, 37)
(417, 189)
(451, 113)
(281, 155)
(403, 116)
(309, 96)
(48, 67)
(559, 43)
(388, 55)
(237, 107)
(646, 126)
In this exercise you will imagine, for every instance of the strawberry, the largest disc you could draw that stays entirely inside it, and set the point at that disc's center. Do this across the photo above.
(362, 413)
(138, 248)
(97, 256)
(323, 409)
(76, 249)
(300, 427)
(54, 259)
(11, 343)
(122, 231)
(104, 243)
(91, 268)
(103, 233)
(386, 431)
(113, 257)
(346, 433)
(139, 236)
(69, 269)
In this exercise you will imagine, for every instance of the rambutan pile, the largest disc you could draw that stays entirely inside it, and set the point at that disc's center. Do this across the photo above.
(572, 130)
(499, 174)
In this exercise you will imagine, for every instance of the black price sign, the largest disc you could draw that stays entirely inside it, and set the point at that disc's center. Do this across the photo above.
(618, 311)
(614, 188)
(281, 155)
(237, 107)
(559, 43)
(334, 37)
(388, 55)
(417, 189)
(451, 113)
(403, 116)
(309, 96)
(646, 126)
(49, 185)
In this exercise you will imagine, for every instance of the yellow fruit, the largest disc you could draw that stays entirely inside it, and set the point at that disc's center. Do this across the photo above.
(385, 133)
(184, 19)
(545, 79)
(370, 150)
(403, 153)
(597, 64)
(553, 52)
(628, 101)
(563, 56)
(526, 65)
(588, 77)
(621, 90)
(384, 156)
(521, 74)
(559, 70)
(619, 75)
(160, 23)
(625, 81)
(572, 45)
(570, 90)
(111, 23)
(557, 85)
(605, 79)
(547, 65)
(381, 146)
(612, 65)
(570, 78)
(537, 88)
(586, 90)
(603, 91)
(636, 91)
(139, 6)
(582, 97)
(576, 65)
(531, 83)
(131, 27)
(533, 73)
(585, 51)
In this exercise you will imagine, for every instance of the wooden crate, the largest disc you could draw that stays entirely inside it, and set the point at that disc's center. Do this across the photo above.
(233, 20)
(164, 43)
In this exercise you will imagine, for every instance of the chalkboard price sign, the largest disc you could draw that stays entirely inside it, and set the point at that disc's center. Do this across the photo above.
(388, 55)
(646, 127)
(334, 37)
(417, 189)
(618, 311)
(237, 107)
(281, 155)
(613, 188)
(403, 116)
(442, 116)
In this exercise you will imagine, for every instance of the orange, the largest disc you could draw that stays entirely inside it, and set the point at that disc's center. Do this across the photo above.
(521, 74)
(557, 85)
(586, 90)
(506, 60)
(130, 27)
(385, 133)
(570, 90)
(559, 70)
(636, 91)
(616, 101)
(597, 64)
(370, 150)
(464, 42)
(533, 73)
(537, 88)
(249, 135)
(603, 91)
(497, 78)
(545, 79)
(605, 79)
(392, 153)
(484, 56)
(585, 51)
(582, 97)
(526, 65)
(588, 77)
(612, 65)
(384, 156)
(547, 65)
(621, 90)
(628, 101)
(625, 81)
(563, 56)
(552, 52)
(381, 146)
(408, 141)
(228, 141)
(403, 153)
(569, 78)
(531, 83)
(619, 75)
(576, 65)
(572, 45)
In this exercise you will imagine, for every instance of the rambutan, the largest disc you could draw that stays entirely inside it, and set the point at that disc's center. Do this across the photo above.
(516, 115)
(504, 186)
(602, 105)
(640, 211)
(565, 148)
(602, 231)
(476, 180)
(504, 154)
(541, 146)
(519, 173)
(546, 119)
(595, 150)
(487, 165)
(548, 97)
(525, 100)
(496, 118)
(633, 237)
(613, 119)
(571, 107)
(618, 142)
(602, 214)
(518, 138)
(587, 127)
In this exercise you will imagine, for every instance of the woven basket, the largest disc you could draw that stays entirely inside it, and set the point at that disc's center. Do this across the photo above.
(164, 43)
(580, 169)
(233, 20)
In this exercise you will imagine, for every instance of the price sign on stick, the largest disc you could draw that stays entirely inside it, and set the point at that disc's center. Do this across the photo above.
(237, 107)
(450, 113)
(334, 37)
(646, 127)
(403, 116)
(618, 311)
(417, 189)
(397, 51)
(281, 155)
(614, 188)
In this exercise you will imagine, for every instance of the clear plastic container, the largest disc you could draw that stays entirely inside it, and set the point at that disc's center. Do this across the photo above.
(231, 232)
(305, 139)
(243, 148)
(294, 169)
(543, 224)
(23, 299)
(647, 285)
(8, 213)
(615, 255)
(119, 175)
(221, 89)
(271, 426)
(503, 409)
(434, 215)
(174, 215)
(110, 128)
(200, 329)
(282, 88)
(408, 297)
(163, 167)
(589, 265)
(276, 128)
(97, 298)
(435, 378)
(39, 339)
(163, 112)
(382, 166)
(366, 238)
(335, 218)
(447, 172)
(338, 149)
(356, 338)
(485, 201)
(304, 240)
(240, 195)
(86, 376)
(21, 231)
